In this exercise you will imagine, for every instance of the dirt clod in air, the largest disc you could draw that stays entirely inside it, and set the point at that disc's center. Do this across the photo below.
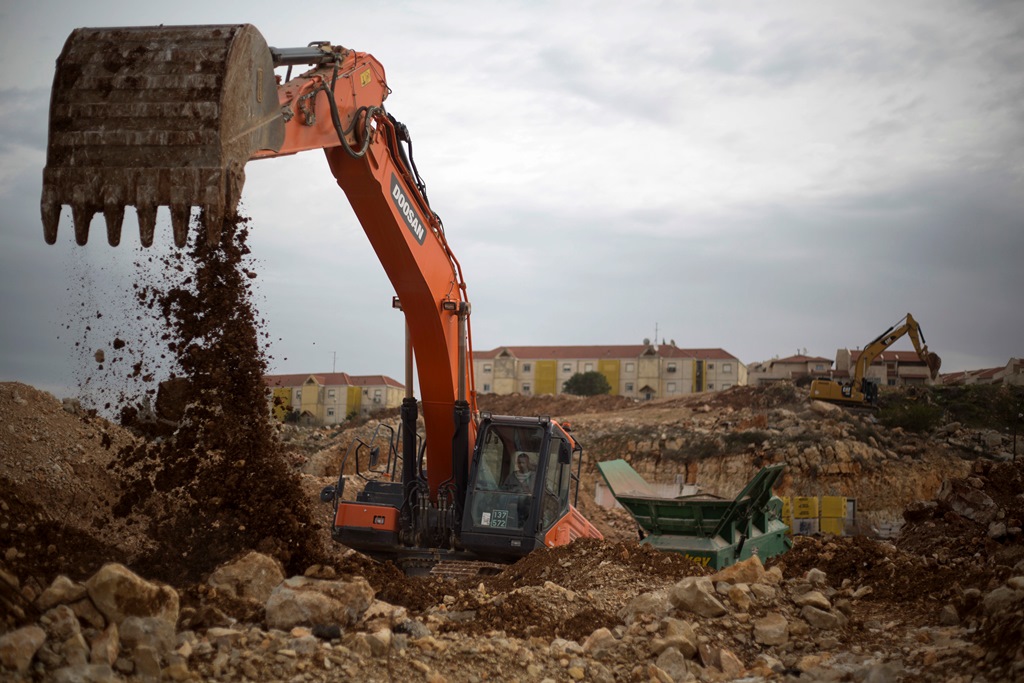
(212, 484)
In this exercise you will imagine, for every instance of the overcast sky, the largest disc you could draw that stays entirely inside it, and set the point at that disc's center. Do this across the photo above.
(761, 177)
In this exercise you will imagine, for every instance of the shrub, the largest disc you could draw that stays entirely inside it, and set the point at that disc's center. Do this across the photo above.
(912, 417)
(743, 439)
(591, 383)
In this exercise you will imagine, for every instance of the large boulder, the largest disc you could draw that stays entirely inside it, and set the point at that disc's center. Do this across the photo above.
(17, 648)
(772, 629)
(252, 576)
(302, 601)
(118, 593)
(750, 570)
(63, 591)
(696, 594)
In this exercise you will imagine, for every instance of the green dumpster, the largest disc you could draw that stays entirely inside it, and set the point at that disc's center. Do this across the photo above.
(713, 531)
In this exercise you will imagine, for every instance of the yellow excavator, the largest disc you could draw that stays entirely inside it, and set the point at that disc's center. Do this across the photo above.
(863, 391)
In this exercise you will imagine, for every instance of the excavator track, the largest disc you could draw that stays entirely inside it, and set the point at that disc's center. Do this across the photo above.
(156, 116)
(466, 569)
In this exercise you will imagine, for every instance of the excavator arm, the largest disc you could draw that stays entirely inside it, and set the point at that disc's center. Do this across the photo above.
(149, 117)
(169, 116)
(908, 326)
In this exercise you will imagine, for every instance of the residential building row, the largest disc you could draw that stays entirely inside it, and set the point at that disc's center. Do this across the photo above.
(332, 397)
(889, 368)
(642, 371)
(1011, 374)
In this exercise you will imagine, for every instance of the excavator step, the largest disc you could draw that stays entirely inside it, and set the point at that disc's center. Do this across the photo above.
(156, 116)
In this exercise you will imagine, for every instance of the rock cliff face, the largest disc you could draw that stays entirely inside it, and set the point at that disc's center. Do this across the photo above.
(827, 451)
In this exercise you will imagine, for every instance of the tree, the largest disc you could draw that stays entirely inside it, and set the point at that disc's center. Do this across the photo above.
(587, 384)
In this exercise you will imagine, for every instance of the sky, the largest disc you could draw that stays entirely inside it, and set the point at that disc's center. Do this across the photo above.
(765, 178)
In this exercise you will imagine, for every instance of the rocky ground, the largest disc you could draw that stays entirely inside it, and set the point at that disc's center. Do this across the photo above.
(94, 590)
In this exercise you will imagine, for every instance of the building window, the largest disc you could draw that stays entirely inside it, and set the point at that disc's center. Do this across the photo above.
(330, 412)
(566, 367)
(331, 393)
(487, 388)
(629, 386)
(711, 366)
(671, 387)
(630, 367)
(671, 367)
(487, 368)
(526, 388)
(819, 368)
(526, 367)
(726, 367)
(588, 367)
(711, 387)
(298, 393)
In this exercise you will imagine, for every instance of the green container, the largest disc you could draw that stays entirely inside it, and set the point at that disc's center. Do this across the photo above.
(711, 530)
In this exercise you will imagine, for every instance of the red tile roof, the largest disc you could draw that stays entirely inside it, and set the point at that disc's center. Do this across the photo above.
(800, 358)
(601, 352)
(891, 357)
(331, 379)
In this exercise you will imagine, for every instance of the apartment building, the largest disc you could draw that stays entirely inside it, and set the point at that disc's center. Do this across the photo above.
(791, 368)
(329, 398)
(643, 371)
(1011, 374)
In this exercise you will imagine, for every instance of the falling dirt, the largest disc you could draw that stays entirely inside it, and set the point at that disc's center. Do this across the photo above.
(214, 483)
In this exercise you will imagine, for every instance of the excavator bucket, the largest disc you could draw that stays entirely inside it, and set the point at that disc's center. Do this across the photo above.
(933, 362)
(157, 116)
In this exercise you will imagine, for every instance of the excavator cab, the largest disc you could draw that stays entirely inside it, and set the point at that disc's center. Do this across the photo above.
(520, 488)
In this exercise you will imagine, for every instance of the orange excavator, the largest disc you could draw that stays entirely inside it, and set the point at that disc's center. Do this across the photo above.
(169, 116)
(862, 390)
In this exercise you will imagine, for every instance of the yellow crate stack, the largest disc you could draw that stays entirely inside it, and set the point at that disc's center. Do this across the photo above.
(805, 515)
(833, 506)
(787, 513)
(832, 525)
(805, 507)
(833, 515)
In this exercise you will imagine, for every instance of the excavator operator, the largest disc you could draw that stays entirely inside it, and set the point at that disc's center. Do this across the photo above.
(520, 480)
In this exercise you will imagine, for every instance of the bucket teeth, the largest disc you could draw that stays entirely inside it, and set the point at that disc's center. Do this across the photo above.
(81, 215)
(114, 214)
(213, 219)
(179, 223)
(50, 209)
(147, 223)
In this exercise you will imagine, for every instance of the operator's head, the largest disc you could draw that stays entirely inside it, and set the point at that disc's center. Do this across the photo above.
(523, 461)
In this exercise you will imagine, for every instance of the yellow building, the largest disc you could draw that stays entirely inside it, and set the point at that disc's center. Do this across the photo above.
(330, 398)
(643, 371)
